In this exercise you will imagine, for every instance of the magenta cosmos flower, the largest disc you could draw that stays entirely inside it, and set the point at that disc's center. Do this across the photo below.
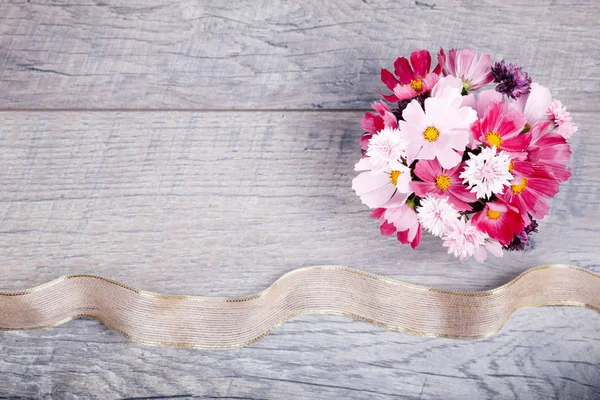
(549, 150)
(437, 180)
(410, 81)
(528, 193)
(500, 220)
(464, 64)
(439, 131)
(501, 127)
(402, 220)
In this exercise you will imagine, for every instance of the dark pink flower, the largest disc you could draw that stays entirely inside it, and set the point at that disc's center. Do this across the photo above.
(500, 220)
(549, 150)
(410, 81)
(501, 127)
(437, 180)
(529, 193)
(402, 220)
(374, 122)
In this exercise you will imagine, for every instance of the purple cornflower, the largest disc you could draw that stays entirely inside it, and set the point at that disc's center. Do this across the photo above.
(511, 79)
(522, 240)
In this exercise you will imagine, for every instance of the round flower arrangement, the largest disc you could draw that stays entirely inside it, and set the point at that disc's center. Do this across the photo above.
(471, 165)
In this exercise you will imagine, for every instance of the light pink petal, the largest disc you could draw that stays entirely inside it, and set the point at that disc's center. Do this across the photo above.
(427, 152)
(414, 114)
(456, 139)
(364, 164)
(404, 92)
(429, 82)
(484, 98)
(470, 101)
(480, 75)
(464, 61)
(448, 158)
(380, 107)
(390, 120)
(537, 103)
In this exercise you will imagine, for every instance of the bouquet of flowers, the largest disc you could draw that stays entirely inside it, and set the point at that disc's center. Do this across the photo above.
(471, 165)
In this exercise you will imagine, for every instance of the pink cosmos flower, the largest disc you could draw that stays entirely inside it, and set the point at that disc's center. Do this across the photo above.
(558, 114)
(464, 240)
(528, 193)
(549, 150)
(382, 187)
(410, 81)
(440, 181)
(439, 131)
(402, 219)
(375, 122)
(500, 220)
(534, 105)
(464, 64)
(501, 128)
(481, 102)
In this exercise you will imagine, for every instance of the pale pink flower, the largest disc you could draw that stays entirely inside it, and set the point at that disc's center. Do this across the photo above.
(558, 114)
(384, 187)
(464, 240)
(483, 99)
(534, 105)
(464, 64)
(402, 220)
(439, 131)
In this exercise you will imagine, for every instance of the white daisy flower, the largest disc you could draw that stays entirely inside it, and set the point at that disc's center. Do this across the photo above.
(386, 147)
(487, 172)
(436, 214)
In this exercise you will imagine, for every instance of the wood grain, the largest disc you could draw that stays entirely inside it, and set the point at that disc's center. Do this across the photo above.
(213, 203)
(208, 202)
(159, 54)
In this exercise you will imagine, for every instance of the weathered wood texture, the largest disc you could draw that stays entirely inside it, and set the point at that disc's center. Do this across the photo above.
(282, 54)
(224, 203)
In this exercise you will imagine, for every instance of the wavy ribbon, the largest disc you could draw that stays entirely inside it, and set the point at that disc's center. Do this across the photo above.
(215, 323)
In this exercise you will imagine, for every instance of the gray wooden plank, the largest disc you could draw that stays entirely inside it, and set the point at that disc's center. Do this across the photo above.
(271, 55)
(213, 203)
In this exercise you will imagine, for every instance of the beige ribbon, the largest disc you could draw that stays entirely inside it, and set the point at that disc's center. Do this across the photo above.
(216, 323)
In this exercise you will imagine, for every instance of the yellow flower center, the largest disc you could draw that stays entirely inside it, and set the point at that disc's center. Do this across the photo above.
(511, 166)
(518, 188)
(491, 214)
(494, 139)
(431, 134)
(394, 175)
(442, 182)
(417, 85)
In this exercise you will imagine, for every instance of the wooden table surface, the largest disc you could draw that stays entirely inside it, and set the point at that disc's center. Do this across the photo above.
(206, 148)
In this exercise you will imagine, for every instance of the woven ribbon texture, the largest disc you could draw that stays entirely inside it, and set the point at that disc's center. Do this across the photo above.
(209, 322)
